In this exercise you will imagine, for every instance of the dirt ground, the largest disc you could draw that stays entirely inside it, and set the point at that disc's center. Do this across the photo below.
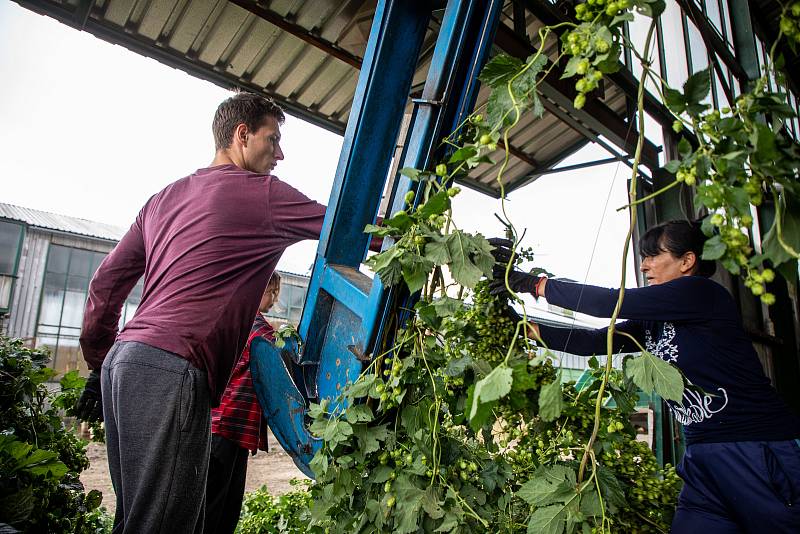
(274, 469)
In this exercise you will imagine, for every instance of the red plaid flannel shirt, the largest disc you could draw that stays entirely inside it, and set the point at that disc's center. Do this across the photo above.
(238, 416)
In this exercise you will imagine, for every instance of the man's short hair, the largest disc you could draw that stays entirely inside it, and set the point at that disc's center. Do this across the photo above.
(245, 108)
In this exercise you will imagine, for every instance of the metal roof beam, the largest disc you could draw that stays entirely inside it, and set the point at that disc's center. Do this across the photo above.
(519, 154)
(298, 31)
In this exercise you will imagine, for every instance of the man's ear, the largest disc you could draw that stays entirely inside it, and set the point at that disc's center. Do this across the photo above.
(240, 134)
(689, 262)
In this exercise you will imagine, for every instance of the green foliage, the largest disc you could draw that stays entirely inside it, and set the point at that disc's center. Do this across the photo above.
(741, 157)
(263, 513)
(40, 460)
(654, 375)
(422, 242)
(463, 424)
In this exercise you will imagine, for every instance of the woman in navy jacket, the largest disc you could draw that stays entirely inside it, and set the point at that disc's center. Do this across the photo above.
(741, 469)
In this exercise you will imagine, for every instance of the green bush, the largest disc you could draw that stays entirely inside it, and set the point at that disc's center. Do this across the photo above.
(40, 459)
(285, 514)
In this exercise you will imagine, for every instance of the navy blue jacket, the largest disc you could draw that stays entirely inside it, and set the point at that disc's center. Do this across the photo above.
(693, 323)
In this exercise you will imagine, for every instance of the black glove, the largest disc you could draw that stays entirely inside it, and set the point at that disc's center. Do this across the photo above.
(89, 407)
(518, 281)
(503, 249)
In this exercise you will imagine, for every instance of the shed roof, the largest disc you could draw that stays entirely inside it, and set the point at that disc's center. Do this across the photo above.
(307, 56)
(61, 223)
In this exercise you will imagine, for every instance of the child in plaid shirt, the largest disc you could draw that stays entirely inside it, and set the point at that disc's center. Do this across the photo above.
(237, 427)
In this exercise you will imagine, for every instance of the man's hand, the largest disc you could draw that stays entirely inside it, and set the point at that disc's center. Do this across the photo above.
(89, 407)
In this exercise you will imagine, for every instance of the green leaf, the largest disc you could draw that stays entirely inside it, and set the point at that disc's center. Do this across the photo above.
(464, 153)
(499, 106)
(387, 265)
(651, 373)
(672, 166)
(790, 233)
(319, 464)
(447, 306)
(523, 379)
(458, 366)
(548, 520)
(495, 385)
(400, 220)
(571, 67)
(714, 248)
(499, 70)
(461, 265)
(361, 386)
(44, 462)
(381, 231)
(411, 172)
(697, 87)
(482, 254)
(72, 380)
(409, 502)
(437, 252)
(650, 8)
(315, 411)
(415, 270)
(450, 524)
(337, 432)
(482, 411)
(610, 487)
(430, 503)
(684, 148)
(359, 413)
(590, 503)
(548, 485)
(763, 140)
(93, 499)
(42, 375)
(674, 100)
(551, 401)
(436, 205)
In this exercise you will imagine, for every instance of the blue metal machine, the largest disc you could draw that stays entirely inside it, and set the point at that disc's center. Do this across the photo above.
(346, 310)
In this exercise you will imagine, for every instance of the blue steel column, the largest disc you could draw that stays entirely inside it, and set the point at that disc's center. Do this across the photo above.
(449, 95)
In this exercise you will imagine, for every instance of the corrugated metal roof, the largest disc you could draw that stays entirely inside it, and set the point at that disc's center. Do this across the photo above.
(62, 223)
(307, 56)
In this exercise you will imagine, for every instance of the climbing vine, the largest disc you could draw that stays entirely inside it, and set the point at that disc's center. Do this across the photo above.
(463, 422)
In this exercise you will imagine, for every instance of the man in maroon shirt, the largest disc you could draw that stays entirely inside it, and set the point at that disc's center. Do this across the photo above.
(206, 245)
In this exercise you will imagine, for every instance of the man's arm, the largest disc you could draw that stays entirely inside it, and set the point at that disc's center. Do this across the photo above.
(108, 290)
(296, 217)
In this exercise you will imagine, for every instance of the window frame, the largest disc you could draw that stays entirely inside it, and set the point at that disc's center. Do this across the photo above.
(15, 274)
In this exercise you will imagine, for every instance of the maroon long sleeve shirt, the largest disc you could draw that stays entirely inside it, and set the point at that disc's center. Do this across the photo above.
(207, 245)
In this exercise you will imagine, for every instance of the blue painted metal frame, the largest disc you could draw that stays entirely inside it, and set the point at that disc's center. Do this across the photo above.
(448, 97)
(345, 310)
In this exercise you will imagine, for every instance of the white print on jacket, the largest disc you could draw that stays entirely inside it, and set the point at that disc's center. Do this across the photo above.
(697, 406)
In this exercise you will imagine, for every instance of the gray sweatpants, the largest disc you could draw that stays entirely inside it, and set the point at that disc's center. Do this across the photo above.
(157, 414)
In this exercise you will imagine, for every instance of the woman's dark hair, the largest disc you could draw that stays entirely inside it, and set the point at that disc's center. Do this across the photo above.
(677, 237)
(242, 108)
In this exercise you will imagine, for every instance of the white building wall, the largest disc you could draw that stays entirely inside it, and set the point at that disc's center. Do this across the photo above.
(22, 320)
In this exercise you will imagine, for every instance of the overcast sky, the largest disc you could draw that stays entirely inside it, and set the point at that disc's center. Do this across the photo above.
(92, 130)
